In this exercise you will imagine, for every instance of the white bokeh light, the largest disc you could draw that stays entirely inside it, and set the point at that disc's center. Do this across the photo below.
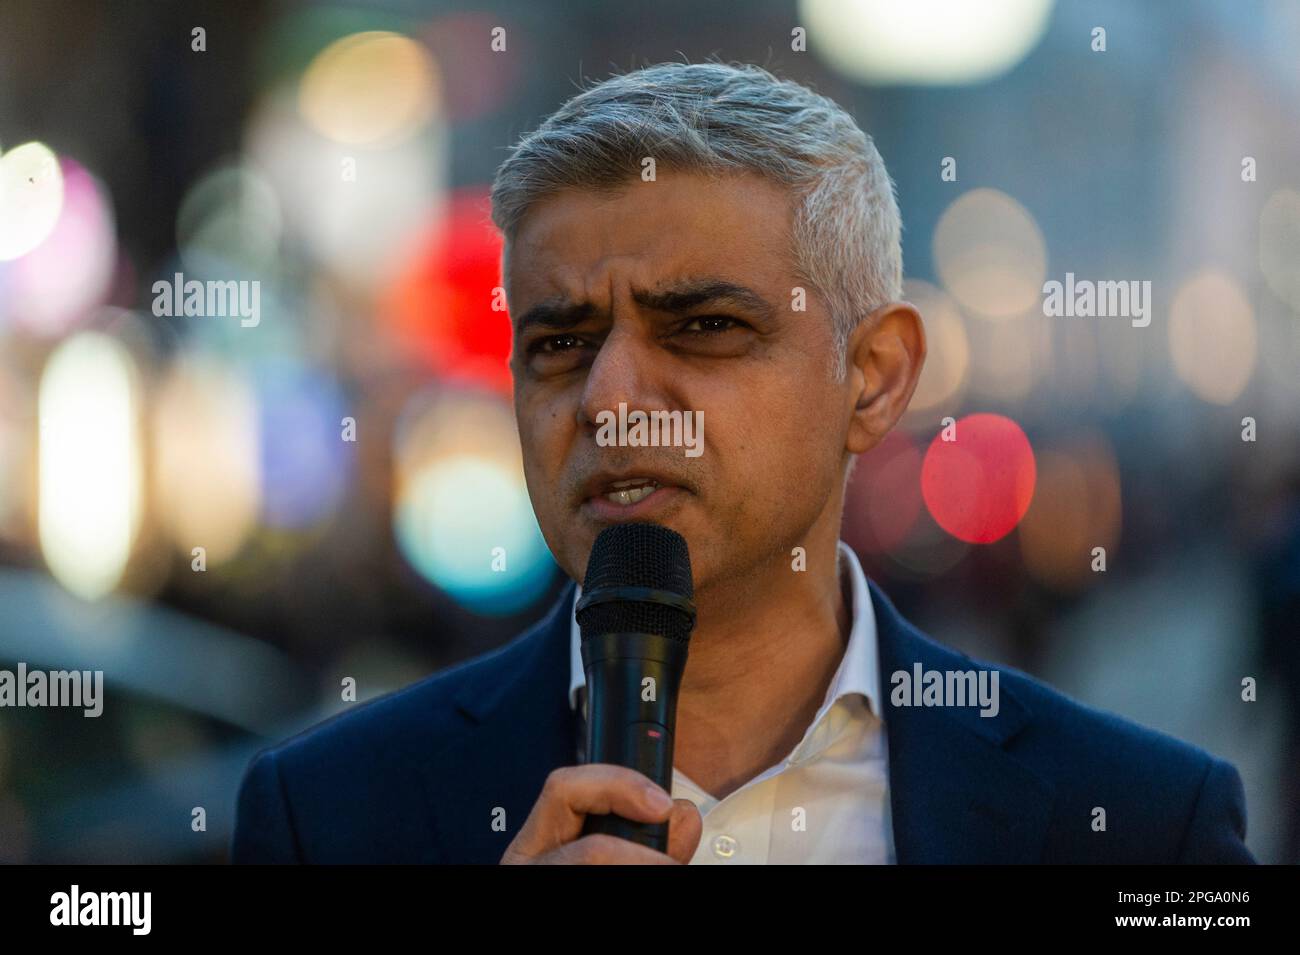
(929, 42)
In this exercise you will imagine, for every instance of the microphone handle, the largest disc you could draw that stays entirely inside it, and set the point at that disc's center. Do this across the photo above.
(632, 684)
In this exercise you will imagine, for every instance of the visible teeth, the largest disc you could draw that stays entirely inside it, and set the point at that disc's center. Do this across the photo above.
(631, 495)
(633, 482)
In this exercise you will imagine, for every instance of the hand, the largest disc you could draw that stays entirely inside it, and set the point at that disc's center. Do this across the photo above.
(552, 833)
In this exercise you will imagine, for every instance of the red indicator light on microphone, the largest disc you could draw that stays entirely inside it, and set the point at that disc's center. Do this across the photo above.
(653, 733)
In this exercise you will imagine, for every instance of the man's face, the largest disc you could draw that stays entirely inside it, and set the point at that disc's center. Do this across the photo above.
(675, 295)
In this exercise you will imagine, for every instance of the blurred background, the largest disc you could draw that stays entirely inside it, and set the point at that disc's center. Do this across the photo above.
(231, 519)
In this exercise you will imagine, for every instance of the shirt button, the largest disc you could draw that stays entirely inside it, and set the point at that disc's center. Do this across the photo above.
(724, 847)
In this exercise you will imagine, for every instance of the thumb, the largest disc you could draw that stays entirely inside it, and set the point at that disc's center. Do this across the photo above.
(685, 826)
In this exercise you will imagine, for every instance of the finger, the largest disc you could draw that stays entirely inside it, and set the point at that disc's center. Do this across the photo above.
(685, 826)
(574, 792)
(604, 849)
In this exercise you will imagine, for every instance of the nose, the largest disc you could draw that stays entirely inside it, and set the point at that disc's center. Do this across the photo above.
(627, 369)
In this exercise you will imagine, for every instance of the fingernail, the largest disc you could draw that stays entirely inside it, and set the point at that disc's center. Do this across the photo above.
(658, 799)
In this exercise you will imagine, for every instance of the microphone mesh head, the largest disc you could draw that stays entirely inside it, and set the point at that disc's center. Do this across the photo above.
(638, 555)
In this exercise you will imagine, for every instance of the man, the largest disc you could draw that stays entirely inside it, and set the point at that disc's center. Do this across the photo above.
(706, 238)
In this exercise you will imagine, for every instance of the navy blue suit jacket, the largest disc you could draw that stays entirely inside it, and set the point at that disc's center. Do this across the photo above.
(417, 775)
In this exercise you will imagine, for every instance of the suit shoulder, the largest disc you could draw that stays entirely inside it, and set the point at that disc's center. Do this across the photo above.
(1084, 727)
(1066, 738)
(356, 786)
(1165, 799)
(419, 715)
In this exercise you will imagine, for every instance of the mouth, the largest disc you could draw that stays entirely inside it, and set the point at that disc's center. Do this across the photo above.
(624, 493)
(629, 498)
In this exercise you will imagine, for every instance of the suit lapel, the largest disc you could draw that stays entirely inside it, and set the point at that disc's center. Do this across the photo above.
(956, 794)
(520, 729)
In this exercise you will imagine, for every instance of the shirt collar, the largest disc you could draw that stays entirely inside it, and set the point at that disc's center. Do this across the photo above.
(859, 669)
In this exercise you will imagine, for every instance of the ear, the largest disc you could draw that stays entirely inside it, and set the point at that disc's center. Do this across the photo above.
(885, 355)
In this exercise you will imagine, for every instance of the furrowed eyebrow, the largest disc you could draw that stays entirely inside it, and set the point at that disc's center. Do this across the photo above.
(691, 294)
(556, 313)
(559, 313)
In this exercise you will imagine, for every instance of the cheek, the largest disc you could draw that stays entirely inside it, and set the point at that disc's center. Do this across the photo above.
(543, 431)
(770, 423)
(780, 448)
(545, 438)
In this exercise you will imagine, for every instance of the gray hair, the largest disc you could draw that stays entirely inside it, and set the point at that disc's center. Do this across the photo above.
(717, 118)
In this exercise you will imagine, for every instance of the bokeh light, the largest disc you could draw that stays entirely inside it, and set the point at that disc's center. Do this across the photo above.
(462, 515)
(31, 197)
(89, 462)
(306, 464)
(947, 359)
(883, 499)
(1076, 508)
(924, 41)
(978, 485)
(60, 283)
(990, 254)
(1010, 357)
(373, 88)
(441, 304)
(353, 208)
(232, 214)
(205, 457)
(1212, 336)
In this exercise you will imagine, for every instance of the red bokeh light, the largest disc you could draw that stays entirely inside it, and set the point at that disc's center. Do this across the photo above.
(979, 485)
(440, 304)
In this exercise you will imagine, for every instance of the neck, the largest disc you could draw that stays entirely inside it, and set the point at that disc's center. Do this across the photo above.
(763, 653)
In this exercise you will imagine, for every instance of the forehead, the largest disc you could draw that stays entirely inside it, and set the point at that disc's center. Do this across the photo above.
(580, 240)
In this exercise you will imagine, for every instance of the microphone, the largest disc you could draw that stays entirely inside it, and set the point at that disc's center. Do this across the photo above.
(636, 615)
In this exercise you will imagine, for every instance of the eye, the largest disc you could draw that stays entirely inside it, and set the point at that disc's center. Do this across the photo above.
(552, 344)
(560, 354)
(711, 324)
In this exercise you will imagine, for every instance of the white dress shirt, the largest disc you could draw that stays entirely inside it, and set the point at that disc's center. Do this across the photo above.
(828, 800)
